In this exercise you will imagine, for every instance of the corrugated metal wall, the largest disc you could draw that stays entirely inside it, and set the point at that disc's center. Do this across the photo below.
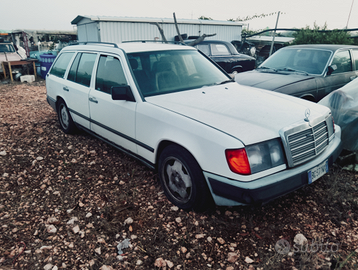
(125, 29)
(129, 31)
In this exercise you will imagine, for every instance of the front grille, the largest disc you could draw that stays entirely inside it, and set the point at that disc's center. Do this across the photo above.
(305, 143)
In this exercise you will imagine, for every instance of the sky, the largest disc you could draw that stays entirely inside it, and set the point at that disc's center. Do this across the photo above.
(58, 14)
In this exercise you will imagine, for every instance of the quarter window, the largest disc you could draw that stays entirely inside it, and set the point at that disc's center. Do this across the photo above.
(60, 66)
(109, 74)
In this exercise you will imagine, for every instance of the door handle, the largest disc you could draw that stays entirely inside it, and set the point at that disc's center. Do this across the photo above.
(93, 99)
(66, 89)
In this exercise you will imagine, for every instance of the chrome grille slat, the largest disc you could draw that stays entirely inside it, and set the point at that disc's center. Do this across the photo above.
(306, 144)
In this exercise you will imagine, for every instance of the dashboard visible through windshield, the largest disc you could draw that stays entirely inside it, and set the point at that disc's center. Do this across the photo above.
(162, 72)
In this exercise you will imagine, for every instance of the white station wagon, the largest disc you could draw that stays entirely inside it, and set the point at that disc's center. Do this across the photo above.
(209, 138)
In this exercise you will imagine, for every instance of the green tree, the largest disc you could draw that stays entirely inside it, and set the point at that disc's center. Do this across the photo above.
(320, 35)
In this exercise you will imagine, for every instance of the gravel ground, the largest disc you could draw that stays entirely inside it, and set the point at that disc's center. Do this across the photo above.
(74, 202)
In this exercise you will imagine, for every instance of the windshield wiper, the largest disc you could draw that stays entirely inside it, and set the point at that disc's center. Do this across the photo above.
(292, 70)
(224, 82)
(267, 68)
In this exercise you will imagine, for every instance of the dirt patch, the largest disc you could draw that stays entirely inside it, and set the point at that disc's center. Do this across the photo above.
(71, 201)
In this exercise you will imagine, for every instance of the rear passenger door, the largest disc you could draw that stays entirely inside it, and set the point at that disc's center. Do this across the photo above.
(113, 120)
(78, 87)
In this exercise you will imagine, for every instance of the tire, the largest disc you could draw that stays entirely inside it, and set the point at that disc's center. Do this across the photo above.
(64, 118)
(182, 180)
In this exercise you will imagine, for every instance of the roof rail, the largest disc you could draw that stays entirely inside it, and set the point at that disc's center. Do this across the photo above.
(100, 43)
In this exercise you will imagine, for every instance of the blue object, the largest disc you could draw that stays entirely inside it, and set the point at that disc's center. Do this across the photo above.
(46, 61)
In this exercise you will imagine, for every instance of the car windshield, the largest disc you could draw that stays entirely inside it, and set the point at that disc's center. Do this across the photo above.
(7, 48)
(309, 61)
(162, 72)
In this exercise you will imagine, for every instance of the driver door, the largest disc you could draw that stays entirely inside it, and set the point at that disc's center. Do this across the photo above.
(113, 120)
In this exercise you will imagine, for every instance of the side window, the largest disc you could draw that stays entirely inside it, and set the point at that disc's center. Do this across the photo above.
(343, 62)
(109, 73)
(355, 56)
(73, 70)
(219, 49)
(81, 69)
(60, 66)
(203, 48)
(85, 67)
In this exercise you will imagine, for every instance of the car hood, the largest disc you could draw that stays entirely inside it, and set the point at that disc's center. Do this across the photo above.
(269, 80)
(246, 113)
(9, 57)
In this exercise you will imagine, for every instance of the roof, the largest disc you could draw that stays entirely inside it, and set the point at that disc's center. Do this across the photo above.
(152, 20)
(331, 47)
(268, 39)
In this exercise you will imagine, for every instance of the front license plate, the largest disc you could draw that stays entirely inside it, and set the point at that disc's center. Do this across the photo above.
(317, 172)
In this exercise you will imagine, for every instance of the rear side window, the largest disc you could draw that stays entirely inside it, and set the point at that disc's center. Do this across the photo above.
(219, 49)
(109, 73)
(60, 66)
(81, 69)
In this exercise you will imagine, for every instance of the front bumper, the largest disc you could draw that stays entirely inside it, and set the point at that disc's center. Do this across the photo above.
(231, 192)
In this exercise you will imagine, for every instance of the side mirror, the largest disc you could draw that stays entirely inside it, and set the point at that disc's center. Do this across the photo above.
(122, 93)
(331, 69)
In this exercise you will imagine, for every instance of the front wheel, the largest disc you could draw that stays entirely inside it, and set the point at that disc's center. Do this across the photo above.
(64, 118)
(182, 179)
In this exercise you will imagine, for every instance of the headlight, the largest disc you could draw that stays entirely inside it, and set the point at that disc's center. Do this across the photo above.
(256, 158)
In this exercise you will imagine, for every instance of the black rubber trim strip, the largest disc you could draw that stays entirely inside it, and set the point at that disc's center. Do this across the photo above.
(151, 149)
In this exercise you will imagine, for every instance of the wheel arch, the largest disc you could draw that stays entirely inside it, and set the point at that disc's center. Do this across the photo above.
(238, 68)
(58, 98)
(165, 143)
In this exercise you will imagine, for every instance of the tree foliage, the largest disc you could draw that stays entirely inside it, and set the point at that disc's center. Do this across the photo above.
(249, 18)
(320, 35)
(246, 32)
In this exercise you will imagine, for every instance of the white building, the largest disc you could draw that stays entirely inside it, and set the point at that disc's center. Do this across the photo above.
(121, 29)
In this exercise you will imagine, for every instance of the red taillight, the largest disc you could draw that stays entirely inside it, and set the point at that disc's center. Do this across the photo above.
(238, 161)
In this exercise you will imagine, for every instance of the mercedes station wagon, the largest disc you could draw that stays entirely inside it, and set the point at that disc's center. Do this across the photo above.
(209, 138)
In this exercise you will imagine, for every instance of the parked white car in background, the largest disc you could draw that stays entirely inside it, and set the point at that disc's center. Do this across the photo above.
(8, 53)
(210, 138)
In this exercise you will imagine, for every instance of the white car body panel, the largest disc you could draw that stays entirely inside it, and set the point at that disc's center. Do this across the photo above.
(228, 108)
(117, 115)
(75, 93)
